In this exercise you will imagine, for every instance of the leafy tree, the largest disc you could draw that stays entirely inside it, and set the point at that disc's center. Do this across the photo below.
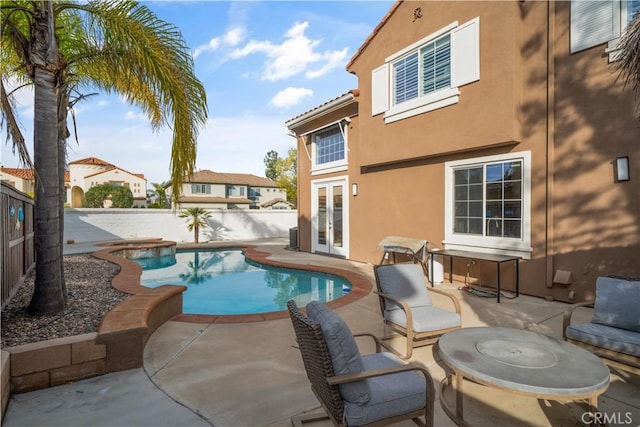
(284, 172)
(115, 46)
(121, 197)
(270, 161)
(629, 57)
(197, 219)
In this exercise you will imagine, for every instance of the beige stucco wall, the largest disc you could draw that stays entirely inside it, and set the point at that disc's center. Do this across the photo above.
(568, 110)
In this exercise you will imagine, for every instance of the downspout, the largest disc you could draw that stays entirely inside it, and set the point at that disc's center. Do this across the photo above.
(550, 141)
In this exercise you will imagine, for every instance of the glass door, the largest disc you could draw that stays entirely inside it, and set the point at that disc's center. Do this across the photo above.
(329, 225)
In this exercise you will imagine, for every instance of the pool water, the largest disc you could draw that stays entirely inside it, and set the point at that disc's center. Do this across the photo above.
(222, 282)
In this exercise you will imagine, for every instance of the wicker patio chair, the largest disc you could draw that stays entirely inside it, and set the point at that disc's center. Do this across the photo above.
(406, 307)
(383, 391)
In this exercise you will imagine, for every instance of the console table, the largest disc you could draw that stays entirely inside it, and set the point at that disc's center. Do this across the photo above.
(497, 259)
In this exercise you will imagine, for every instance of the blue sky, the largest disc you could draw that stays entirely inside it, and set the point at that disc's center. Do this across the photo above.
(261, 62)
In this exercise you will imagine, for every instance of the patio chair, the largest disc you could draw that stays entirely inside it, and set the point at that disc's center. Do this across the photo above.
(374, 389)
(613, 333)
(407, 308)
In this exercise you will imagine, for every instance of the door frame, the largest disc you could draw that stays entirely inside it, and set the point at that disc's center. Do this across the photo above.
(329, 183)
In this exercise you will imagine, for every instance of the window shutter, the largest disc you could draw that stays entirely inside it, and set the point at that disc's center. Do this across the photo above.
(380, 90)
(465, 53)
(594, 23)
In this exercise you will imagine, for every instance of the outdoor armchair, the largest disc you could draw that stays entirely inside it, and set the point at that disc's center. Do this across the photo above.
(407, 308)
(614, 330)
(374, 389)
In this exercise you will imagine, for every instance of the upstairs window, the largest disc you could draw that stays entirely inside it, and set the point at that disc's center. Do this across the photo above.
(598, 22)
(200, 188)
(329, 145)
(425, 71)
(235, 191)
(427, 74)
(328, 148)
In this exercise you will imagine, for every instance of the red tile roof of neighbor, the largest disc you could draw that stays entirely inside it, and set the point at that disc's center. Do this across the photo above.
(211, 177)
(139, 175)
(23, 173)
(91, 161)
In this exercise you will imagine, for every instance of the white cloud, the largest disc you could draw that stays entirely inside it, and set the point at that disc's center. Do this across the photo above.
(235, 36)
(231, 38)
(295, 55)
(290, 96)
(135, 116)
(213, 44)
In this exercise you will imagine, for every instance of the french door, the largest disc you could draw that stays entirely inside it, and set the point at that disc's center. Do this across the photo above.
(330, 225)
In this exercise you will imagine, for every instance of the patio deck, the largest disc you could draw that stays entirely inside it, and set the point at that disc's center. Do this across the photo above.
(249, 374)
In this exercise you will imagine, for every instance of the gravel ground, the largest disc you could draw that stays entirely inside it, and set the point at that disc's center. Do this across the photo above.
(90, 297)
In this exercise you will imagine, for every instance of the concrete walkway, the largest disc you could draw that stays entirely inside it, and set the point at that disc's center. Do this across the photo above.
(249, 374)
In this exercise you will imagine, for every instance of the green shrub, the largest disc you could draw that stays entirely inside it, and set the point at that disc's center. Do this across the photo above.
(121, 197)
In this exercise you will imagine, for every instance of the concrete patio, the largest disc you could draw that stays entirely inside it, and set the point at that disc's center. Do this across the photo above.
(250, 374)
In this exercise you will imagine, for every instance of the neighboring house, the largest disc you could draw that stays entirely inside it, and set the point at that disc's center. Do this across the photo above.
(80, 177)
(19, 178)
(482, 126)
(214, 190)
(91, 171)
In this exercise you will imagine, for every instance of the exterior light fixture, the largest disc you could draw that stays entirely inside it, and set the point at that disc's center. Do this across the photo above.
(354, 189)
(621, 169)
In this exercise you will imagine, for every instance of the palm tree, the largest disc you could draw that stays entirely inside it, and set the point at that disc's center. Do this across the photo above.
(197, 218)
(114, 46)
(160, 190)
(629, 57)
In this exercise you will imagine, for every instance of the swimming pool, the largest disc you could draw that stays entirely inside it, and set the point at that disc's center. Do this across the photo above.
(223, 281)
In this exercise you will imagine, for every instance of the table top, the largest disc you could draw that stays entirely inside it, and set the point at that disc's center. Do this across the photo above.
(524, 361)
(475, 255)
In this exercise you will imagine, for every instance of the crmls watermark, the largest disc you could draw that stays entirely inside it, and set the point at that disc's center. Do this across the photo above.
(607, 418)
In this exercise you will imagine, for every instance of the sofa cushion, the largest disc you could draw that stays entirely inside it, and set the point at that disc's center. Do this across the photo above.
(617, 302)
(425, 319)
(616, 339)
(403, 281)
(345, 356)
(391, 395)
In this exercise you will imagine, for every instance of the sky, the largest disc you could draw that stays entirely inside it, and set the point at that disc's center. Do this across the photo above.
(261, 63)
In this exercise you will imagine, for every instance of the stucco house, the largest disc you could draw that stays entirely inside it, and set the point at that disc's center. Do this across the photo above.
(91, 171)
(491, 127)
(215, 190)
(80, 177)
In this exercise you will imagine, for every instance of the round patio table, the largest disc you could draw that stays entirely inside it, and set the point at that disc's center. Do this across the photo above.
(520, 361)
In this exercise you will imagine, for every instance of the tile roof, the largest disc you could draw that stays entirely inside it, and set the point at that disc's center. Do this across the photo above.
(353, 92)
(208, 176)
(275, 201)
(375, 31)
(139, 175)
(91, 161)
(23, 173)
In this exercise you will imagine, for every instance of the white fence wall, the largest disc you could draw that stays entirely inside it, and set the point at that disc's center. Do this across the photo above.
(91, 225)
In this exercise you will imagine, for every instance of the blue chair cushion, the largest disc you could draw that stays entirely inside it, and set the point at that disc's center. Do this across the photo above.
(612, 338)
(345, 356)
(425, 318)
(391, 395)
(617, 302)
(404, 281)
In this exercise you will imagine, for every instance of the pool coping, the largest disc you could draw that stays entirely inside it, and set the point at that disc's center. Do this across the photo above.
(128, 279)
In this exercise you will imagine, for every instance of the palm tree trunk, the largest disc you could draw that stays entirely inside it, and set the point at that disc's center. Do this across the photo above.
(196, 232)
(48, 296)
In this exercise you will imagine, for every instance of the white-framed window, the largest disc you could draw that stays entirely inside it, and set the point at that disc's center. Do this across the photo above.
(427, 74)
(200, 188)
(329, 148)
(598, 22)
(487, 204)
(235, 190)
